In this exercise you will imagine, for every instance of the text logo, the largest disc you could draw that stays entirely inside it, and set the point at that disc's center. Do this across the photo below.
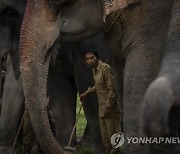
(117, 140)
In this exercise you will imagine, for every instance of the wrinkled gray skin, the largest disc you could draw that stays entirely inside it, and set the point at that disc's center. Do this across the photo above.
(139, 36)
(141, 69)
(36, 109)
(139, 73)
(63, 83)
(11, 13)
(163, 95)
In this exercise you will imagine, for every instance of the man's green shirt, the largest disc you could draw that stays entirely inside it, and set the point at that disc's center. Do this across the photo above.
(104, 87)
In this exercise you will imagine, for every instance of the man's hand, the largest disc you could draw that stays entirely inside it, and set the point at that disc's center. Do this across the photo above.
(83, 95)
(107, 112)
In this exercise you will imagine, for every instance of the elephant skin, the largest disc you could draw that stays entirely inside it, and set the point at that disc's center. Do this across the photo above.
(42, 127)
(12, 109)
(62, 79)
(137, 37)
(11, 15)
(162, 96)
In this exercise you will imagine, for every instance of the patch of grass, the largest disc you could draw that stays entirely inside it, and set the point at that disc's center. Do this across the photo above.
(81, 121)
(84, 150)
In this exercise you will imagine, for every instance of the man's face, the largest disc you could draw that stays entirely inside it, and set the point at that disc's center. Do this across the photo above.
(91, 59)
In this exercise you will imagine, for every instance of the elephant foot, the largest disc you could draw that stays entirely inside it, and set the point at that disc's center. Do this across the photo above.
(87, 143)
(99, 149)
(135, 149)
(90, 149)
(86, 140)
(165, 149)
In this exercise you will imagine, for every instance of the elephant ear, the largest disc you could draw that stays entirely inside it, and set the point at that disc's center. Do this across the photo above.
(114, 5)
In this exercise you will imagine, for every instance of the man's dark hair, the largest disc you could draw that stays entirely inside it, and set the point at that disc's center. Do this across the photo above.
(91, 49)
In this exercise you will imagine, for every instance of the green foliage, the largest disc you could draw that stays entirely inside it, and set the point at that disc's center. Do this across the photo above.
(84, 150)
(81, 121)
(80, 130)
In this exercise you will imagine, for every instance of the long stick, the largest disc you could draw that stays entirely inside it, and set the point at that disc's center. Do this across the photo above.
(75, 125)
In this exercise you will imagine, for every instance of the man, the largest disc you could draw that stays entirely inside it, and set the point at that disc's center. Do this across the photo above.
(109, 108)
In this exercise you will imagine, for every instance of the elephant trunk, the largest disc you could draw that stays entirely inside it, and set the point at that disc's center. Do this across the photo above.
(164, 92)
(38, 33)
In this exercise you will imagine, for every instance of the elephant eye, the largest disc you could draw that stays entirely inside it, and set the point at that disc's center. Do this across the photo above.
(9, 16)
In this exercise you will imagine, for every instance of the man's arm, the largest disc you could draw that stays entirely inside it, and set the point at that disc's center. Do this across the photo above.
(87, 92)
(91, 90)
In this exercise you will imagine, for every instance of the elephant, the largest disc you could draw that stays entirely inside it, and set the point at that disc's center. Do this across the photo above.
(11, 15)
(161, 100)
(12, 108)
(13, 92)
(137, 32)
(9, 33)
(162, 95)
(44, 123)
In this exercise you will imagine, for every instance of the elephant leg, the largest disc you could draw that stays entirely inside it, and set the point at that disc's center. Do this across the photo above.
(164, 91)
(173, 121)
(62, 97)
(2, 76)
(12, 106)
(91, 112)
(1, 82)
(140, 69)
(87, 138)
(93, 133)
